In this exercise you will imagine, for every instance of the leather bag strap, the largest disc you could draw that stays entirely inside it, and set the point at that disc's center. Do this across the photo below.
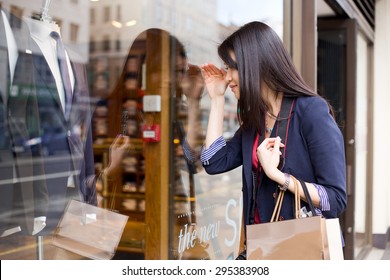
(308, 197)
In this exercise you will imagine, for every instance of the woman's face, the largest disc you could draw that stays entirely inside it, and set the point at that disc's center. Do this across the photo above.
(232, 77)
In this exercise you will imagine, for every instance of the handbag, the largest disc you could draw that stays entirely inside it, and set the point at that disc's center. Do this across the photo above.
(295, 239)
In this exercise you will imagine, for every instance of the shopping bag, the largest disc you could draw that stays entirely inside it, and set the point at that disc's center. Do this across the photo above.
(295, 239)
(89, 231)
(334, 239)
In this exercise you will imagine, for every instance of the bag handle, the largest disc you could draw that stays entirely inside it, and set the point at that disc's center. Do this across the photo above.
(297, 197)
(279, 201)
(308, 197)
(297, 200)
(278, 206)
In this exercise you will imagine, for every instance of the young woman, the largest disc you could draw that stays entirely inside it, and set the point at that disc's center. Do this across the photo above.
(260, 73)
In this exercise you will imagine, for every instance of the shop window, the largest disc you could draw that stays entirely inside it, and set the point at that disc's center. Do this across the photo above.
(106, 43)
(119, 13)
(106, 14)
(119, 84)
(118, 44)
(92, 16)
(74, 30)
(92, 45)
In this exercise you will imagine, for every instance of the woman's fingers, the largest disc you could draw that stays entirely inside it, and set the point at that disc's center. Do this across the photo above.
(271, 150)
(270, 143)
(121, 141)
(126, 143)
(277, 144)
(211, 70)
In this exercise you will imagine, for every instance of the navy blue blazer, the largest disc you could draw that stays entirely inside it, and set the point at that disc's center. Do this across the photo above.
(314, 153)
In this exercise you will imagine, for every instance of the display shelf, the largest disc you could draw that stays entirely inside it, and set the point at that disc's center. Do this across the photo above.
(120, 112)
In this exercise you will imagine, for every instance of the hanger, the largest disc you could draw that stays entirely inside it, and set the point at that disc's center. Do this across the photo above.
(45, 9)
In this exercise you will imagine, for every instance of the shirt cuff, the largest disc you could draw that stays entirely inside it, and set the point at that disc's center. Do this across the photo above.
(324, 199)
(189, 153)
(207, 154)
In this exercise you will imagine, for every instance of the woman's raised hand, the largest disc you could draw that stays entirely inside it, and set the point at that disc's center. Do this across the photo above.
(214, 78)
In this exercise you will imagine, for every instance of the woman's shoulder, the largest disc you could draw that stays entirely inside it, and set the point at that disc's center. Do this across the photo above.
(310, 103)
(303, 101)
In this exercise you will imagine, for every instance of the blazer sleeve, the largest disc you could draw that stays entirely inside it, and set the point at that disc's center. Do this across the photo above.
(228, 157)
(325, 144)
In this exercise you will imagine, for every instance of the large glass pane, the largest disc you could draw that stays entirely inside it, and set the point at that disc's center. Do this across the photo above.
(120, 51)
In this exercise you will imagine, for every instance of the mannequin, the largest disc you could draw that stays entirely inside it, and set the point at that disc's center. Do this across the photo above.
(60, 143)
(39, 33)
(69, 136)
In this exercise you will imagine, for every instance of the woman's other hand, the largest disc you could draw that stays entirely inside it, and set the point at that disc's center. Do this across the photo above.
(268, 153)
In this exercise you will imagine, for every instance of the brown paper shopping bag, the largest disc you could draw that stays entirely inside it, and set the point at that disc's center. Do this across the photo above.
(296, 239)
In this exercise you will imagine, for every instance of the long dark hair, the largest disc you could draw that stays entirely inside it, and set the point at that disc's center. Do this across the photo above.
(260, 57)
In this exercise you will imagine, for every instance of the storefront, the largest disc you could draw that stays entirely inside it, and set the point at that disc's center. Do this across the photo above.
(141, 69)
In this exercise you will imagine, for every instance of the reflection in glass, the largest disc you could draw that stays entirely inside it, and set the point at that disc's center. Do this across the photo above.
(118, 78)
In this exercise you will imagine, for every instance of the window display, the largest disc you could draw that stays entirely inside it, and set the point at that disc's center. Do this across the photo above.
(49, 158)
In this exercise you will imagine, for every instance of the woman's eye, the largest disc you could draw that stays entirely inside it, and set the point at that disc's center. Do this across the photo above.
(226, 67)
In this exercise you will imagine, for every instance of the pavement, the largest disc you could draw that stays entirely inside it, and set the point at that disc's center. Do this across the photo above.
(386, 254)
(379, 254)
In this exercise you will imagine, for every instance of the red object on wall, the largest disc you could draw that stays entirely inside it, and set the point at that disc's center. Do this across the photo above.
(151, 133)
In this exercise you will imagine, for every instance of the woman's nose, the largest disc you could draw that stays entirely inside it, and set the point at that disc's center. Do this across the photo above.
(228, 78)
